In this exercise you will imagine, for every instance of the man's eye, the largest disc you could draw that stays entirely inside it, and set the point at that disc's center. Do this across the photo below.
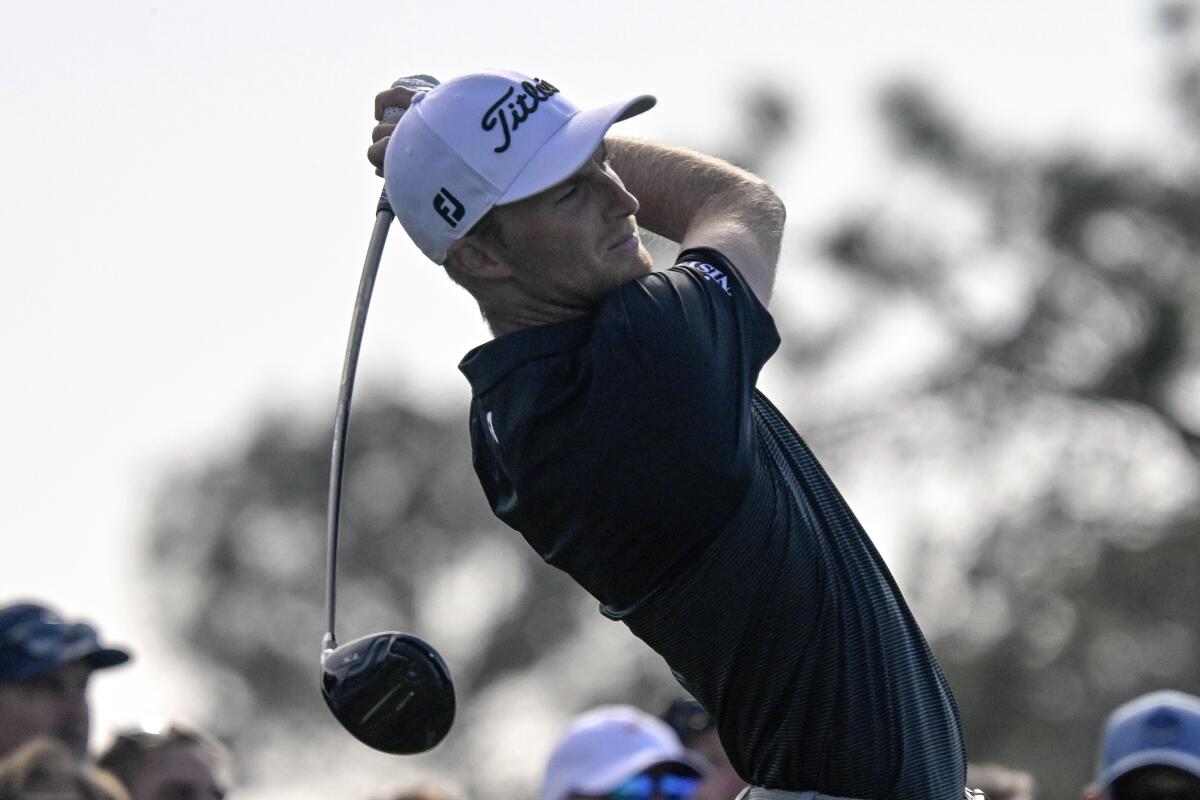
(568, 193)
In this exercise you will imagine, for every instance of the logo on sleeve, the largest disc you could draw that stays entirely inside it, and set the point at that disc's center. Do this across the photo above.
(710, 273)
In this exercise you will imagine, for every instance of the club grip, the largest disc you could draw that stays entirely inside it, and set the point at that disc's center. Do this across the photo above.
(393, 113)
(419, 83)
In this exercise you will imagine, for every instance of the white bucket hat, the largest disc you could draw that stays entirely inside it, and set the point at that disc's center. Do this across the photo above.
(485, 140)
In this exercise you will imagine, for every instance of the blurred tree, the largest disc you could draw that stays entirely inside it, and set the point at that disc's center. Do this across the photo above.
(1051, 443)
(239, 556)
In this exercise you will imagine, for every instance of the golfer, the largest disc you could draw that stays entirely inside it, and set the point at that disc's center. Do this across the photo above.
(616, 425)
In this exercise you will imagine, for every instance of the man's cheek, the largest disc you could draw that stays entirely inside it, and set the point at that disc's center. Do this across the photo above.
(29, 717)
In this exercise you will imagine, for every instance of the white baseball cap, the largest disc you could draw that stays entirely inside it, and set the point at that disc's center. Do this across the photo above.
(484, 140)
(608, 745)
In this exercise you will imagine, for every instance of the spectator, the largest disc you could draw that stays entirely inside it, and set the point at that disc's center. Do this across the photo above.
(46, 769)
(620, 753)
(698, 733)
(177, 764)
(1151, 750)
(999, 782)
(45, 666)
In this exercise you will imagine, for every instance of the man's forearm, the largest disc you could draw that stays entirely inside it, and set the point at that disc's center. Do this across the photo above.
(676, 187)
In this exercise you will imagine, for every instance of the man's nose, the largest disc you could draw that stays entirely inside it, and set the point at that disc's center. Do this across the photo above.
(622, 203)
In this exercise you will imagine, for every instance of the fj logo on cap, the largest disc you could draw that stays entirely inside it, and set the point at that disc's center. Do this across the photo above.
(509, 112)
(448, 207)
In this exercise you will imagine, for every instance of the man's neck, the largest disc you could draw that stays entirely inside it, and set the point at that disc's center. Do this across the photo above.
(517, 320)
(508, 311)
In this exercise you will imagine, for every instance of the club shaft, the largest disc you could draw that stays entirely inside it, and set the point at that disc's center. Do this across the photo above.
(341, 419)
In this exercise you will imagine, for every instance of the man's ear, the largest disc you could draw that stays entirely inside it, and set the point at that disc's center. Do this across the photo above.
(1092, 792)
(477, 259)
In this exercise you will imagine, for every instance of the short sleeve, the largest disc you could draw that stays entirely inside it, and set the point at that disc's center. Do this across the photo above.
(695, 337)
(620, 444)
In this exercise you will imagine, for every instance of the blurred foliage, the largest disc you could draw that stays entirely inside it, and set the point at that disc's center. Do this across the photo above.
(768, 121)
(1061, 416)
(1034, 414)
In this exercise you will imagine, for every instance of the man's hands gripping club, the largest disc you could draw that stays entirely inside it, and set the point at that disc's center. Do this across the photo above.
(397, 97)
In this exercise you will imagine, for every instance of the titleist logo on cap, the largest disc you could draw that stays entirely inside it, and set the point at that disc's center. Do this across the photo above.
(509, 112)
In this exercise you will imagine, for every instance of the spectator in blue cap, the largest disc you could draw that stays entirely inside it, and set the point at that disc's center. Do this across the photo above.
(1151, 750)
(45, 665)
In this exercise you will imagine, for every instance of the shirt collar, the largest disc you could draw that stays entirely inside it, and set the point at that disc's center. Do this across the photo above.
(487, 364)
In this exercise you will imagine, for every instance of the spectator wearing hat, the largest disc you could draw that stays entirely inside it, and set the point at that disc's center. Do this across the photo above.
(698, 733)
(45, 665)
(620, 753)
(170, 764)
(1151, 750)
(45, 769)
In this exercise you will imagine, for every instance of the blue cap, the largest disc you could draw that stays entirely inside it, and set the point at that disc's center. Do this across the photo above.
(1156, 728)
(34, 641)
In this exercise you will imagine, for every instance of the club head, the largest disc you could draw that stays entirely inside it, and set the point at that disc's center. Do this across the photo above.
(391, 691)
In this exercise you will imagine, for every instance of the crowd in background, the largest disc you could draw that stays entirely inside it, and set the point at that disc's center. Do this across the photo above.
(46, 664)
(1148, 750)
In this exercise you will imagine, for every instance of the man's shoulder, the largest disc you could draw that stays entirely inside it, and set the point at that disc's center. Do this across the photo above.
(706, 259)
(695, 273)
(702, 294)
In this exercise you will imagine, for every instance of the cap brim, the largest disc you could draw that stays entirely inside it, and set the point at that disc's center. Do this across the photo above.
(1148, 758)
(100, 658)
(106, 657)
(570, 147)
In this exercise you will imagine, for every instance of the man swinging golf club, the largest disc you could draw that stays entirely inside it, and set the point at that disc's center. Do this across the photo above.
(616, 425)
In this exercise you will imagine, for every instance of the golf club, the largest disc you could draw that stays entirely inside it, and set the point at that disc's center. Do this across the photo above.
(390, 690)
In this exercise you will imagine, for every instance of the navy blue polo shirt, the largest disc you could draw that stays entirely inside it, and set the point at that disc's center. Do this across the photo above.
(631, 449)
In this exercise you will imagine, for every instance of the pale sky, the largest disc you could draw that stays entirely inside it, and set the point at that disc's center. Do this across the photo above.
(186, 205)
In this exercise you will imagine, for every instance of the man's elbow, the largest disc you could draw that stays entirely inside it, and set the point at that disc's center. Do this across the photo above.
(774, 211)
(765, 214)
(763, 211)
(776, 214)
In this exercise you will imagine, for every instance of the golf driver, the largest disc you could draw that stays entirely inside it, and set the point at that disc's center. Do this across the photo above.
(390, 690)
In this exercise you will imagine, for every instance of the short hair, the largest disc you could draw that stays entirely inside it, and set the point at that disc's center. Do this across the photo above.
(488, 228)
(133, 750)
(998, 782)
(45, 764)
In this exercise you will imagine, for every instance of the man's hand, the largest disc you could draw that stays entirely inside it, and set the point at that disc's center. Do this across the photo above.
(396, 97)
